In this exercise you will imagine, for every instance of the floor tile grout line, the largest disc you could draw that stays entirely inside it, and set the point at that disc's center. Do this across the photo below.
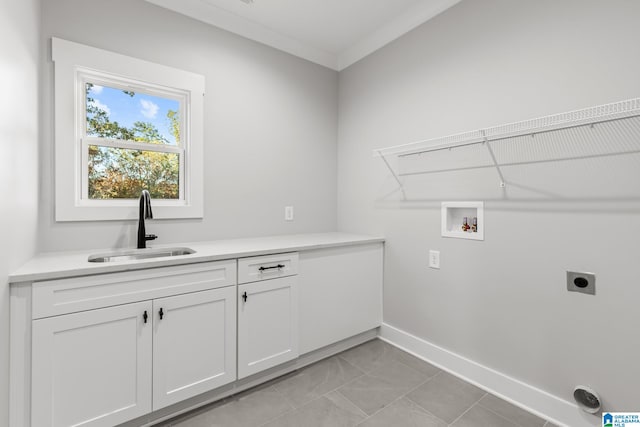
(347, 383)
(276, 417)
(391, 357)
(414, 388)
(357, 367)
(510, 420)
(468, 409)
(403, 396)
(313, 400)
(367, 416)
(426, 381)
(421, 407)
(297, 373)
(342, 385)
(307, 367)
(295, 408)
(337, 390)
(376, 360)
(339, 356)
(284, 398)
(362, 374)
(406, 395)
(411, 367)
(384, 358)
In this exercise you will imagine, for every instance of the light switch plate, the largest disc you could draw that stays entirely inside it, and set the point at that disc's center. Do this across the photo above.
(434, 259)
(288, 213)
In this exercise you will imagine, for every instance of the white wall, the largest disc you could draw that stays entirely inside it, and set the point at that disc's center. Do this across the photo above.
(19, 35)
(270, 126)
(503, 302)
(500, 302)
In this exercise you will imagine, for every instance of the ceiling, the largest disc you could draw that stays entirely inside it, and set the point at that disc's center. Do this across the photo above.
(333, 33)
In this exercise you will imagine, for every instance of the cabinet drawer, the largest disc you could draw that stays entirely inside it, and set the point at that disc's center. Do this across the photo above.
(254, 269)
(55, 297)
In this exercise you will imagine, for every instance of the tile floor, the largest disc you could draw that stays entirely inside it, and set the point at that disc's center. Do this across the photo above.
(372, 385)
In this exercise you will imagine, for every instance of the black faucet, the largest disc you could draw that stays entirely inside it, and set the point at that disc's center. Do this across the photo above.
(144, 213)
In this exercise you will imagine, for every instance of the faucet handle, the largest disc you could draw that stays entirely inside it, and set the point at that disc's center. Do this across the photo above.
(150, 237)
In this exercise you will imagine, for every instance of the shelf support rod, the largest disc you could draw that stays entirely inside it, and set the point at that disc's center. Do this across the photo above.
(493, 159)
(384, 159)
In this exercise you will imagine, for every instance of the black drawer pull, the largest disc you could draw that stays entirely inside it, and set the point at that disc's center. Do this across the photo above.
(244, 297)
(161, 313)
(145, 316)
(279, 266)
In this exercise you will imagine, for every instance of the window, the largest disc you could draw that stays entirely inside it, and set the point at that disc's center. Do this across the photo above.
(124, 125)
(131, 141)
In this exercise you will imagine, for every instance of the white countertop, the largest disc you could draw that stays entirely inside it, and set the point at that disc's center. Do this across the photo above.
(56, 265)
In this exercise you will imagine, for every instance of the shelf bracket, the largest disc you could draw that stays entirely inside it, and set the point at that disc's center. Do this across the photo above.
(384, 159)
(493, 159)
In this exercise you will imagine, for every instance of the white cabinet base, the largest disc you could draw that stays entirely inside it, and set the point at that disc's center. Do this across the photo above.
(340, 293)
(341, 308)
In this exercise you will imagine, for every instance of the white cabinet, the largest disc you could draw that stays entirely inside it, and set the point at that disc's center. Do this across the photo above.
(194, 348)
(267, 323)
(107, 349)
(92, 368)
(340, 293)
(105, 366)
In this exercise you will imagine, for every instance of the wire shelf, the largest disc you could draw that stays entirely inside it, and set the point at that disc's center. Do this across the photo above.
(577, 118)
(600, 131)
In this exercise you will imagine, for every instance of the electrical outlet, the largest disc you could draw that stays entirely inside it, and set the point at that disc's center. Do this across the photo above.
(288, 213)
(434, 259)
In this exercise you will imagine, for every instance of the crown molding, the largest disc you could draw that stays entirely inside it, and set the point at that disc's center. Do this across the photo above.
(210, 14)
(389, 32)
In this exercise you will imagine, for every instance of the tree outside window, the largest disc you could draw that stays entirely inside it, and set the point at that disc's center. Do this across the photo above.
(133, 143)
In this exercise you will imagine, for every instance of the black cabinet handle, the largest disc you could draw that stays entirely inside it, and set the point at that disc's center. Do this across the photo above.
(161, 313)
(244, 297)
(145, 316)
(279, 266)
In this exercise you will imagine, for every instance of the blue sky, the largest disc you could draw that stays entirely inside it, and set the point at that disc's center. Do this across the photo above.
(126, 110)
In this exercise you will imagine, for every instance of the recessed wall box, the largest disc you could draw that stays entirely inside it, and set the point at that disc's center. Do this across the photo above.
(453, 220)
(584, 283)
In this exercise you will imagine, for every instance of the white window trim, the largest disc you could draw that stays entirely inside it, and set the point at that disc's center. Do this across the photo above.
(73, 62)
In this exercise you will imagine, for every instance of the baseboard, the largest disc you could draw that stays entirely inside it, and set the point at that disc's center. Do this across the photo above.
(532, 399)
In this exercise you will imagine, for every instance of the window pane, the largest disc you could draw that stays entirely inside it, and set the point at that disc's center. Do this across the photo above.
(119, 173)
(134, 116)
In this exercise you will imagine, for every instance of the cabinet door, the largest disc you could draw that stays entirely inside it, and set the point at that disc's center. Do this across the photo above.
(194, 346)
(267, 324)
(92, 368)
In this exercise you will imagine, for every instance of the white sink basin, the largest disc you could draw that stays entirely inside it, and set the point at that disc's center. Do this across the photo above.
(138, 254)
